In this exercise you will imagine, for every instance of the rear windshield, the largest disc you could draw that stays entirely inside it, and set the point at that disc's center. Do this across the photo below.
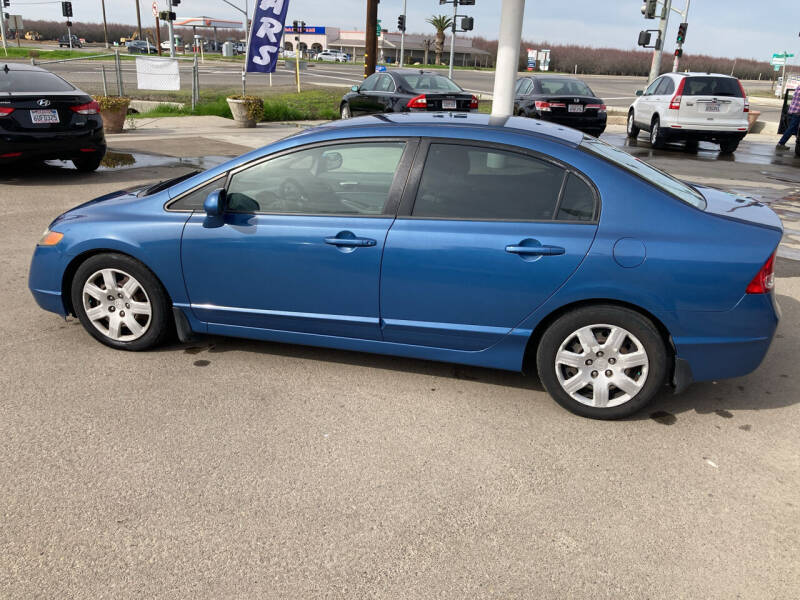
(567, 87)
(425, 82)
(712, 86)
(32, 81)
(657, 177)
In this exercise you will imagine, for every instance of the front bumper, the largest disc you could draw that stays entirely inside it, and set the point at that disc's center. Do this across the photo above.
(45, 278)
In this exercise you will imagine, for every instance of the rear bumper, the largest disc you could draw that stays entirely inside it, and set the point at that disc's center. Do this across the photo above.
(719, 345)
(63, 145)
(703, 135)
(595, 124)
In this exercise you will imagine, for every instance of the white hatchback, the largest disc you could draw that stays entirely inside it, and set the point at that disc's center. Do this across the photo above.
(332, 55)
(691, 107)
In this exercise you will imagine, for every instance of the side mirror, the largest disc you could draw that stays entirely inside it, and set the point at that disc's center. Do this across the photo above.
(331, 161)
(214, 204)
(355, 88)
(639, 92)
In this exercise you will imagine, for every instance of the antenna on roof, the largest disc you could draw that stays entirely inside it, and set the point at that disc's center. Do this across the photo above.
(6, 69)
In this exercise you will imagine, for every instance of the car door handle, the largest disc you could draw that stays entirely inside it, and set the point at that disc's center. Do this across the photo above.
(536, 250)
(350, 242)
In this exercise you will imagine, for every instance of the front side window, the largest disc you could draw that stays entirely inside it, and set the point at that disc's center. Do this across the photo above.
(342, 179)
(369, 83)
(468, 182)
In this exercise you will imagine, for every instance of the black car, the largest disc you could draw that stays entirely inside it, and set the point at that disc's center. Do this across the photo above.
(43, 117)
(141, 47)
(404, 90)
(63, 41)
(563, 100)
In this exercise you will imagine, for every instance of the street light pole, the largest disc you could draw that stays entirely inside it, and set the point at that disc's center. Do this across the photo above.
(171, 30)
(655, 66)
(505, 74)
(452, 40)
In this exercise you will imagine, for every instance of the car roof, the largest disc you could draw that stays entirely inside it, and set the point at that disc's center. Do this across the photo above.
(15, 66)
(701, 74)
(414, 72)
(439, 120)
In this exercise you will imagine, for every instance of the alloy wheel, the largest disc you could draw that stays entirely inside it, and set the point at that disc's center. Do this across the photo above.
(117, 305)
(602, 365)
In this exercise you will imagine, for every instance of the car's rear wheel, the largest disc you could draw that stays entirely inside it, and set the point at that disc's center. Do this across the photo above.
(632, 129)
(657, 137)
(602, 362)
(728, 147)
(120, 302)
(692, 145)
(345, 111)
(88, 163)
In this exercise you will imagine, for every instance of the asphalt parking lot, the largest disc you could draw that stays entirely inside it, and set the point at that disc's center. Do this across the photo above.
(231, 468)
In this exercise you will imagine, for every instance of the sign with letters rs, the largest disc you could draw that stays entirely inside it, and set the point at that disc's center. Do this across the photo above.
(265, 35)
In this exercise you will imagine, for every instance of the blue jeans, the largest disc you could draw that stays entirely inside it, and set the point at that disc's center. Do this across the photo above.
(791, 128)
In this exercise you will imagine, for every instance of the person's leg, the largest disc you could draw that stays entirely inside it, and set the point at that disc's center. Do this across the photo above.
(791, 129)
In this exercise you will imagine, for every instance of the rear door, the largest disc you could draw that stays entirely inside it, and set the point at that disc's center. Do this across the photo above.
(712, 102)
(484, 236)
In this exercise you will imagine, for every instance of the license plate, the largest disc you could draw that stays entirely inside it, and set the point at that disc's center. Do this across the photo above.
(712, 107)
(44, 116)
(448, 104)
(575, 108)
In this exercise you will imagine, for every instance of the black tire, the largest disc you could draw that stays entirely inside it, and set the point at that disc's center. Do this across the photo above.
(160, 321)
(728, 146)
(561, 331)
(692, 145)
(632, 128)
(344, 111)
(657, 137)
(88, 163)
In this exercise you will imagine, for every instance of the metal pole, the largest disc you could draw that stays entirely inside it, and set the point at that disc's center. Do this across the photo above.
(171, 33)
(505, 74)
(371, 42)
(105, 85)
(403, 36)
(3, 31)
(297, 65)
(452, 39)
(69, 35)
(684, 19)
(655, 66)
(138, 19)
(194, 81)
(118, 65)
(105, 25)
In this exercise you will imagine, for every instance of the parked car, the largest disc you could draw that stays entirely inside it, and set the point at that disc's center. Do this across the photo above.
(141, 47)
(406, 90)
(332, 56)
(450, 237)
(43, 117)
(563, 100)
(691, 107)
(63, 41)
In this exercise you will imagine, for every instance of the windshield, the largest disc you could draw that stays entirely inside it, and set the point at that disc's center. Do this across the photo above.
(425, 82)
(712, 86)
(32, 81)
(565, 87)
(647, 172)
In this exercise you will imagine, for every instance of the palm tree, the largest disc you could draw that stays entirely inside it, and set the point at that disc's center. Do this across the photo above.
(441, 23)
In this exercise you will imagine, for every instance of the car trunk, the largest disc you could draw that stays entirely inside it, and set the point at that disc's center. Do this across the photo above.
(454, 101)
(44, 112)
(737, 208)
(712, 101)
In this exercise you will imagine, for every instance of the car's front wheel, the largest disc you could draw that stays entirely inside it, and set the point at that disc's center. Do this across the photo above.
(345, 111)
(120, 302)
(602, 362)
(632, 129)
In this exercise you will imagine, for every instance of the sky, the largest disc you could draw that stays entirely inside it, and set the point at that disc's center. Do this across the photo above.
(716, 27)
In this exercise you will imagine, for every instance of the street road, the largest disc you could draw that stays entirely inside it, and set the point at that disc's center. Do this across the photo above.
(231, 468)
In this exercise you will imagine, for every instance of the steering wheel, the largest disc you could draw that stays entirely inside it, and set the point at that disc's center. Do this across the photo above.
(292, 192)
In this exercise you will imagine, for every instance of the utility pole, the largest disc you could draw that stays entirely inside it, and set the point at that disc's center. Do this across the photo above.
(371, 44)
(3, 29)
(171, 30)
(452, 40)
(403, 35)
(655, 66)
(679, 49)
(505, 74)
(138, 18)
(105, 25)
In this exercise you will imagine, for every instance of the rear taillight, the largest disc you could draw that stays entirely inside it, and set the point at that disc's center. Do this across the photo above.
(543, 106)
(675, 103)
(90, 108)
(418, 102)
(474, 102)
(5, 111)
(744, 97)
(764, 280)
(599, 107)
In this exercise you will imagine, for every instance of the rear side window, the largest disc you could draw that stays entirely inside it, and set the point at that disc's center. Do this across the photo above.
(666, 87)
(194, 199)
(465, 182)
(32, 81)
(712, 86)
(577, 202)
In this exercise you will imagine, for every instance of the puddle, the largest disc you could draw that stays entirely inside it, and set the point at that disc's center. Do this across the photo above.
(115, 161)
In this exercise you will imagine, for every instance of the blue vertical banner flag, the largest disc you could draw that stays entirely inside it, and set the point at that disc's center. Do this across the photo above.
(266, 32)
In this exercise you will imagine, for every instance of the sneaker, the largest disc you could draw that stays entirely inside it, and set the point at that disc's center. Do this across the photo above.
(781, 147)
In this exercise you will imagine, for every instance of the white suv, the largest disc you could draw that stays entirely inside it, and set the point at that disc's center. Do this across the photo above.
(332, 55)
(691, 107)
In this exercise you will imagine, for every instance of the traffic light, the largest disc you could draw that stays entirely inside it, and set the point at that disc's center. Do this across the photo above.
(66, 9)
(649, 9)
(678, 52)
(166, 15)
(401, 23)
(467, 23)
(466, 2)
(6, 3)
(682, 32)
(175, 2)
(69, 23)
(644, 38)
(299, 26)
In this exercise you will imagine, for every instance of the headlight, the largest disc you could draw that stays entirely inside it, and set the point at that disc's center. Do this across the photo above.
(50, 238)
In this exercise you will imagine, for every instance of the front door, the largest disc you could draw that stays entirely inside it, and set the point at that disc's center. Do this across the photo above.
(299, 246)
(491, 235)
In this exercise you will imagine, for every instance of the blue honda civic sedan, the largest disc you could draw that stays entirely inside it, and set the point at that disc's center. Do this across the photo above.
(500, 242)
